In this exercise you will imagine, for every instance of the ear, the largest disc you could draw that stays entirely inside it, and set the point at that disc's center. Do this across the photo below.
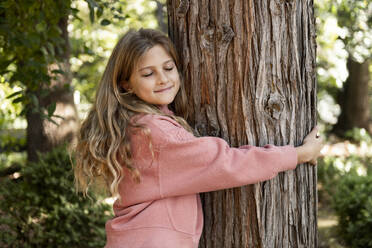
(125, 85)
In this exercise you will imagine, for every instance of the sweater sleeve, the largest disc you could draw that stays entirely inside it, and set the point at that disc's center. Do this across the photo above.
(189, 164)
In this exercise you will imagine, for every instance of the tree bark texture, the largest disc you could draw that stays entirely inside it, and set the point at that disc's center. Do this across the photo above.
(249, 72)
(43, 135)
(354, 98)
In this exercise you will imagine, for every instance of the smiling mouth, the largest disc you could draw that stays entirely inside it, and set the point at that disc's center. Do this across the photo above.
(162, 90)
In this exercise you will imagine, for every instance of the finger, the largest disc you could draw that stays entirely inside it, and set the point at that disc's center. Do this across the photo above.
(315, 132)
(313, 162)
(315, 129)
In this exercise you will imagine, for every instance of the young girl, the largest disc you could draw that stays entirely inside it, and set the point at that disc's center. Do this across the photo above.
(149, 157)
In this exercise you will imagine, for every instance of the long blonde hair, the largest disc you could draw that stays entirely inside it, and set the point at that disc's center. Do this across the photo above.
(103, 146)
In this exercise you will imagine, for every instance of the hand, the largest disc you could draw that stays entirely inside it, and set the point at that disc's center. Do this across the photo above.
(309, 151)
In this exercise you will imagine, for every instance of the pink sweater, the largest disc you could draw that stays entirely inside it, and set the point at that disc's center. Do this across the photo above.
(164, 210)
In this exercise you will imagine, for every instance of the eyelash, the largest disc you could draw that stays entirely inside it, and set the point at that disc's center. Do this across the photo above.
(167, 69)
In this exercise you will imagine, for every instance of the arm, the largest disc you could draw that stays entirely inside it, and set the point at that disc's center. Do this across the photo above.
(190, 165)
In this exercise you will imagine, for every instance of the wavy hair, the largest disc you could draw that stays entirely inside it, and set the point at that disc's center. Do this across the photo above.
(103, 146)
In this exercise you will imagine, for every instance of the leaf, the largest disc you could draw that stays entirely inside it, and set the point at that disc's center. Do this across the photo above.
(17, 100)
(58, 116)
(14, 94)
(119, 17)
(5, 63)
(99, 12)
(58, 71)
(35, 101)
(74, 12)
(91, 4)
(105, 22)
(51, 48)
(23, 112)
(51, 108)
(49, 118)
(91, 14)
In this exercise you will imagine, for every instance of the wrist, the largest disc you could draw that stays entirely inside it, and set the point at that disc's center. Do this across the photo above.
(302, 154)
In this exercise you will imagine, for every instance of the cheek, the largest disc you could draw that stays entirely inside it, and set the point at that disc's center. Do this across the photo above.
(145, 85)
(176, 77)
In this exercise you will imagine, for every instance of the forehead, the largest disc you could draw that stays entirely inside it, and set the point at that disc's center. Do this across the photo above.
(153, 56)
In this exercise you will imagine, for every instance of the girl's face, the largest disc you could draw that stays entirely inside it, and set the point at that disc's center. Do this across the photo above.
(155, 78)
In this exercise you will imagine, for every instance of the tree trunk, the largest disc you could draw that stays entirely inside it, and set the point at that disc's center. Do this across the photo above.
(354, 99)
(43, 135)
(249, 70)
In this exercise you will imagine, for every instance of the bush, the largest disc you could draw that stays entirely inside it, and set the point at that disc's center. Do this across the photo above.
(42, 209)
(332, 169)
(347, 184)
(352, 202)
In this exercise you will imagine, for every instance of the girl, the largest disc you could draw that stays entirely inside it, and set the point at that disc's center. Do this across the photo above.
(149, 157)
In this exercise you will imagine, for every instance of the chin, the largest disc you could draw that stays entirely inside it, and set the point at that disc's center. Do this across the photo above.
(166, 101)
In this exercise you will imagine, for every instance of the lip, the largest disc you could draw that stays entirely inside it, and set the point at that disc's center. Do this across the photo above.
(162, 90)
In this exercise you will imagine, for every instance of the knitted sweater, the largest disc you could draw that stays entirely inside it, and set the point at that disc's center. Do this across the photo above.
(164, 209)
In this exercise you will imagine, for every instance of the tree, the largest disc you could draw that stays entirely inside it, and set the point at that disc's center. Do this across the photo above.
(35, 52)
(249, 69)
(356, 18)
(35, 56)
(354, 98)
(44, 134)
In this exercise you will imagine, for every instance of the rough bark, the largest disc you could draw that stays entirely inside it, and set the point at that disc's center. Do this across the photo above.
(354, 99)
(43, 135)
(249, 69)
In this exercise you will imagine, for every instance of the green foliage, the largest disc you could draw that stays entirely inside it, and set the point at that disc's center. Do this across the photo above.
(353, 24)
(42, 209)
(347, 187)
(353, 204)
(332, 169)
(331, 61)
(356, 17)
(11, 139)
(359, 135)
(9, 111)
(31, 39)
(10, 142)
(343, 30)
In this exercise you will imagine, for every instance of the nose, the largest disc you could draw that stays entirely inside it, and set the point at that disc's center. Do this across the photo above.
(162, 78)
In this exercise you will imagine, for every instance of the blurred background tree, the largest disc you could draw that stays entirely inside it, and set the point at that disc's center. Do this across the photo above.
(35, 57)
(345, 48)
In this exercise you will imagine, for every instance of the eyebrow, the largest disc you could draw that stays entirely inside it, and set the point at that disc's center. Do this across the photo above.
(147, 67)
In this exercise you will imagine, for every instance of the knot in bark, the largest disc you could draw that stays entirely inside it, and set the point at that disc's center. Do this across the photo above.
(214, 130)
(206, 39)
(225, 35)
(201, 128)
(183, 8)
(275, 105)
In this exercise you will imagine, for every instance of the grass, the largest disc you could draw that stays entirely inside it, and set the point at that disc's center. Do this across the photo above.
(327, 229)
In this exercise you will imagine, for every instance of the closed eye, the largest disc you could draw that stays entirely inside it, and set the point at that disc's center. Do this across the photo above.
(147, 75)
(169, 68)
